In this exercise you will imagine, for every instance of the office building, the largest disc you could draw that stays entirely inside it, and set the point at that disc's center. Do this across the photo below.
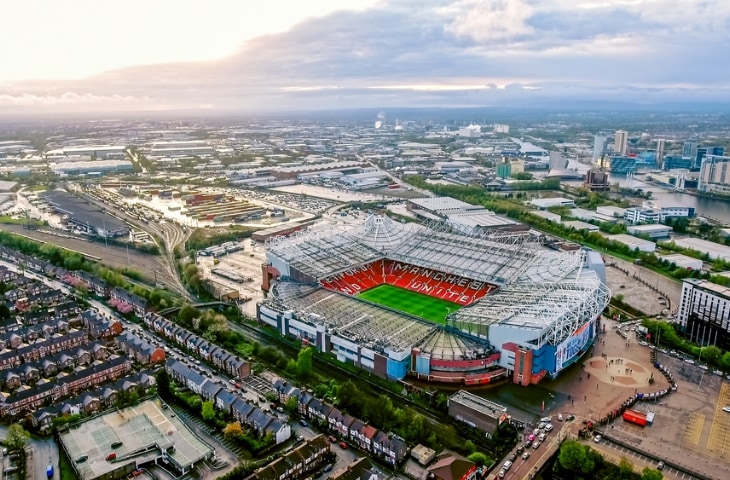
(621, 142)
(689, 150)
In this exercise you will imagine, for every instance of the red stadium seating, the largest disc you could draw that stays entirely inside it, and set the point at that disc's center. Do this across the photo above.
(453, 288)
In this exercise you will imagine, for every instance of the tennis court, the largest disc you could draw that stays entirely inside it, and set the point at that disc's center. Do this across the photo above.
(418, 304)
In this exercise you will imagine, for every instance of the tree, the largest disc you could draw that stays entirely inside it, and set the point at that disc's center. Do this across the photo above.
(233, 430)
(479, 458)
(17, 438)
(626, 468)
(163, 384)
(304, 362)
(574, 457)
(291, 404)
(207, 411)
(651, 474)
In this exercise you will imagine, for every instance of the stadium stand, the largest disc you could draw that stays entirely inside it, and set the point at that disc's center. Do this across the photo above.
(453, 288)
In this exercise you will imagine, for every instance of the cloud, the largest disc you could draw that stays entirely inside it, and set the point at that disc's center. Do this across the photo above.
(484, 20)
(440, 53)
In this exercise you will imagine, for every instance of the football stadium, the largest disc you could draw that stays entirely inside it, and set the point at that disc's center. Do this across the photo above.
(433, 302)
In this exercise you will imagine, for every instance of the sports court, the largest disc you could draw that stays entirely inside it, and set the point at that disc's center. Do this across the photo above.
(418, 304)
(137, 435)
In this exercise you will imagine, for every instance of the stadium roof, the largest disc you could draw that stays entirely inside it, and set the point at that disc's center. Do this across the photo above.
(323, 250)
(547, 291)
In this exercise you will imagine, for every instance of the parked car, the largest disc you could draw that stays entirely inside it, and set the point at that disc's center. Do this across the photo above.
(111, 456)
(343, 445)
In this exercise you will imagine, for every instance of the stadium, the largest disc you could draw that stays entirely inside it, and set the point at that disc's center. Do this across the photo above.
(433, 302)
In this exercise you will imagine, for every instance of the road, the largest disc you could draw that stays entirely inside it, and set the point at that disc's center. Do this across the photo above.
(45, 452)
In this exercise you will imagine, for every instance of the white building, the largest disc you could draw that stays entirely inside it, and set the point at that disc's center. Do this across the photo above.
(543, 203)
(653, 230)
(714, 174)
(651, 212)
(704, 312)
(609, 213)
(549, 216)
(582, 214)
(633, 242)
(621, 142)
(712, 249)
(683, 261)
(580, 226)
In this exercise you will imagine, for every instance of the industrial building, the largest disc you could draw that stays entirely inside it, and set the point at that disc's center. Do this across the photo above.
(683, 261)
(509, 292)
(544, 203)
(476, 411)
(653, 231)
(633, 243)
(712, 249)
(79, 214)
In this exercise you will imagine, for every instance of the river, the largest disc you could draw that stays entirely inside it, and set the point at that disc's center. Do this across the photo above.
(713, 208)
(704, 206)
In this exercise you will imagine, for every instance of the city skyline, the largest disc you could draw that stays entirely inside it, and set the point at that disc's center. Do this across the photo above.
(233, 56)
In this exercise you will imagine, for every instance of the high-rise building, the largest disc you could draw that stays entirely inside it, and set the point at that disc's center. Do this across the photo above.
(689, 150)
(621, 142)
(714, 174)
(659, 158)
(703, 312)
(599, 147)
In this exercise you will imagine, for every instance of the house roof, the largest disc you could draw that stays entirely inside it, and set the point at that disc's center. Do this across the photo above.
(451, 467)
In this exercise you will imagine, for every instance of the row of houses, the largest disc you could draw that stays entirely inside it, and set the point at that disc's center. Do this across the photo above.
(232, 403)
(139, 349)
(122, 299)
(387, 446)
(45, 393)
(31, 373)
(42, 347)
(224, 360)
(297, 463)
(102, 398)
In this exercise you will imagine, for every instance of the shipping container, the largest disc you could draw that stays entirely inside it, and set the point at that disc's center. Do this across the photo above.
(637, 418)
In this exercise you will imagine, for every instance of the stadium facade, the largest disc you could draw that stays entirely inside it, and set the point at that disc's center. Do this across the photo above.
(519, 310)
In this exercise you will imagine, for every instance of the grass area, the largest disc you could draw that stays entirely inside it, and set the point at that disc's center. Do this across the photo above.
(66, 471)
(418, 304)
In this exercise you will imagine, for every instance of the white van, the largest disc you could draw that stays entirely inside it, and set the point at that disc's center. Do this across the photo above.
(507, 465)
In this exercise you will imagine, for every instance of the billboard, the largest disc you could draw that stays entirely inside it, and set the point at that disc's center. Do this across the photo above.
(573, 345)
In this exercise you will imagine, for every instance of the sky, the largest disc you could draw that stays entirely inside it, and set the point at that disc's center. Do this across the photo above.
(279, 55)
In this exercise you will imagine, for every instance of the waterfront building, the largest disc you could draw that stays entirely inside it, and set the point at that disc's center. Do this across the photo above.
(689, 150)
(714, 174)
(622, 164)
(651, 212)
(659, 157)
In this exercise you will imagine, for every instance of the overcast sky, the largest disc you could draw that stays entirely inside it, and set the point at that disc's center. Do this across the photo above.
(112, 55)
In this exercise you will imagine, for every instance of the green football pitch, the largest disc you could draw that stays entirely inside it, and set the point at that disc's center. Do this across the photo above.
(418, 304)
